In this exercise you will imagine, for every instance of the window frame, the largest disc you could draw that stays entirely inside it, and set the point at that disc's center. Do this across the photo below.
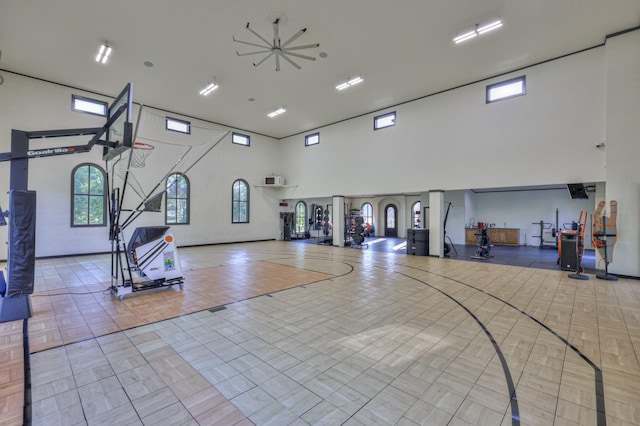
(304, 217)
(235, 220)
(176, 198)
(366, 217)
(522, 78)
(177, 120)
(377, 118)
(247, 137)
(104, 104)
(88, 195)
(307, 138)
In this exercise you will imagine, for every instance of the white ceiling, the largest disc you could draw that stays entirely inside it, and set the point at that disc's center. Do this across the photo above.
(403, 49)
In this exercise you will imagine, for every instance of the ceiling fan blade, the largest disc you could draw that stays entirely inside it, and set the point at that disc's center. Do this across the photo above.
(285, 56)
(276, 36)
(293, 37)
(262, 60)
(257, 35)
(252, 53)
(251, 44)
(306, 46)
(297, 55)
(277, 62)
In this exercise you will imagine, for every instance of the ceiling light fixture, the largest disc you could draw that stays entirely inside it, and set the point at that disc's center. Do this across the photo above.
(210, 88)
(276, 112)
(277, 48)
(103, 53)
(478, 30)
(350, 82)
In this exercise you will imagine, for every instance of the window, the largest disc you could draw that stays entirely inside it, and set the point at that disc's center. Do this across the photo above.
(313, 139)
(367, 213)
(89, 106)
(386, 120)
(507, 89)
(240, 139)
(89, 196)
(301, 217)
(177, 199)
(417, 215)
(240, 202)
(176, 125)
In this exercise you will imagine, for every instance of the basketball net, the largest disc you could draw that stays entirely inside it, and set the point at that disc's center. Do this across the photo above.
(139, 153)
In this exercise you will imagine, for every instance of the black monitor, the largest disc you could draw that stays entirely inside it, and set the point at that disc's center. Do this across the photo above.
(577, 191)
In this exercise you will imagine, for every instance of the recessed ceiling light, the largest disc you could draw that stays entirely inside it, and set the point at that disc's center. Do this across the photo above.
(276, 112)
(323, 54)
(478, 30)
(103, 53)
(148, 64)
(252, 99)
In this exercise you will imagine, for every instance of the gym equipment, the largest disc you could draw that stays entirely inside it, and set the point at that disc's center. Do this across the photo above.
(544, 226)
(153, 258)
(484, 242)
(571, 247)
(418, 241)
(356, 230)
(325, 227)
(448, 246)
(604, 235)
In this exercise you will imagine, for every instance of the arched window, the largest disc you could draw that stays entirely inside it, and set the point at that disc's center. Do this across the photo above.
(240, 202)
(177, 199)
(417, 215)
(89, 188)
(367, 213)
(301, 216)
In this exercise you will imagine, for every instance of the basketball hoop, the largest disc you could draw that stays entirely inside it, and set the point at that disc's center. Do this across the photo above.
(139, 153)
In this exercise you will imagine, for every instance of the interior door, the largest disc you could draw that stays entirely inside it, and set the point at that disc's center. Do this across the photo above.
(391, 221)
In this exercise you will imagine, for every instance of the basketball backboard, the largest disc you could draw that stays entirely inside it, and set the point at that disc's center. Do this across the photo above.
(121, 130)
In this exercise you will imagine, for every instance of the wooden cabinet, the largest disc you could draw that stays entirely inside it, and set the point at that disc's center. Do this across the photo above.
(499, 236)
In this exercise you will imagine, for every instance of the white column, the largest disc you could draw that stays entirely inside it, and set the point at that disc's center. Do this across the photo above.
(436, 223)
(621, 145)
(338, 220)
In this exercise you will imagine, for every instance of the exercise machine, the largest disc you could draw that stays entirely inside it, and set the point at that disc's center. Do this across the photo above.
(571, 247)
(604, 235)
(546, 228)
(484, 242)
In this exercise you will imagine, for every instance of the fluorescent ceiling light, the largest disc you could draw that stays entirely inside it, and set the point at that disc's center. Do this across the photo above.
(464, 37)
(350, 82)
(276, 112)
(485, 28)
(489, 27)
(210, 88)
(103, 53)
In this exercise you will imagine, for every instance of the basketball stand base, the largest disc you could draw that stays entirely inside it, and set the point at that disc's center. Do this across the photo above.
(607, 277)
(578, 276)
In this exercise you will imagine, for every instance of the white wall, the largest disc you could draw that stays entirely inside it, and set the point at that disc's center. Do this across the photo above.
(454, 140)
(451, 141)
(521, 209)
(623, 147)
(29, 104)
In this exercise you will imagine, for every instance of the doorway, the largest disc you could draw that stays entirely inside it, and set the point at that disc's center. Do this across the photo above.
(391, 220)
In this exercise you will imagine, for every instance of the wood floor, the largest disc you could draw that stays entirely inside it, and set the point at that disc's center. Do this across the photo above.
(308, 334)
